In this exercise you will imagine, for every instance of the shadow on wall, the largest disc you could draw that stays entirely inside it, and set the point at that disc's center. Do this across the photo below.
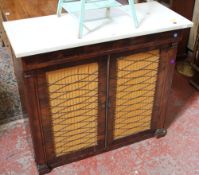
(10, 105)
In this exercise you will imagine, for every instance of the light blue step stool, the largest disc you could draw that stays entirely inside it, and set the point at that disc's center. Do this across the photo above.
(72, 6)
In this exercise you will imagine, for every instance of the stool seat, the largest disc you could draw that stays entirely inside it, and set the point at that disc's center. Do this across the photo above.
(75, 6)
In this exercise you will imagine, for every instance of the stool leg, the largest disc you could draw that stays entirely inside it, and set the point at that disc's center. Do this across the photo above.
(108, 9)
(133, 12)
(59, 7)
(81, 18)
(108, 12)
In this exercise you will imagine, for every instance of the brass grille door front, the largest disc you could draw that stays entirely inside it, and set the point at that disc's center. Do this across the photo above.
(133, 81)
(75, 114)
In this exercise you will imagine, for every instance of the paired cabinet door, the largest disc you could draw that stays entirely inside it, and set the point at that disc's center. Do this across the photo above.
(133, 81)
(90, 106)
(73, 109)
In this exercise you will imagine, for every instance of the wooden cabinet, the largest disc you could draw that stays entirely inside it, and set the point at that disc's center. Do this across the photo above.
(91, 99)
(96, 94)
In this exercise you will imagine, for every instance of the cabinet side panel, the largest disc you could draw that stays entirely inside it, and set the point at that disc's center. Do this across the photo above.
(135, 91)
(167, 66)
(73, 100)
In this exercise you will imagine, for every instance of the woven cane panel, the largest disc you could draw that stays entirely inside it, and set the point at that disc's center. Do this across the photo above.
(73, 94)
(136, 82)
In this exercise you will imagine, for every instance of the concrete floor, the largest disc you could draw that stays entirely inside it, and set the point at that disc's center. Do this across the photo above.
(10, 106)
(175, 154)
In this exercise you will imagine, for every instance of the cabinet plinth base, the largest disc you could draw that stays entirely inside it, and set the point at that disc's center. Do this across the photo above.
(43, 169)
(160, 132)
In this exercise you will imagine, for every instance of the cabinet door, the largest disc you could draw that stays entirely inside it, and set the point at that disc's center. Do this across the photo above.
(135, 95)
(72, 101)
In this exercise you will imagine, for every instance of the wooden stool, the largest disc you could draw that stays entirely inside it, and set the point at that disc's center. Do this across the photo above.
(72, 6)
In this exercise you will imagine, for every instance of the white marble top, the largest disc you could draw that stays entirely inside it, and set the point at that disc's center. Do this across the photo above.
(51, 33)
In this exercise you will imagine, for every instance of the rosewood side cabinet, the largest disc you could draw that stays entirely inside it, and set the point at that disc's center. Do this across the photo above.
(93, 97)
(82, 102)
